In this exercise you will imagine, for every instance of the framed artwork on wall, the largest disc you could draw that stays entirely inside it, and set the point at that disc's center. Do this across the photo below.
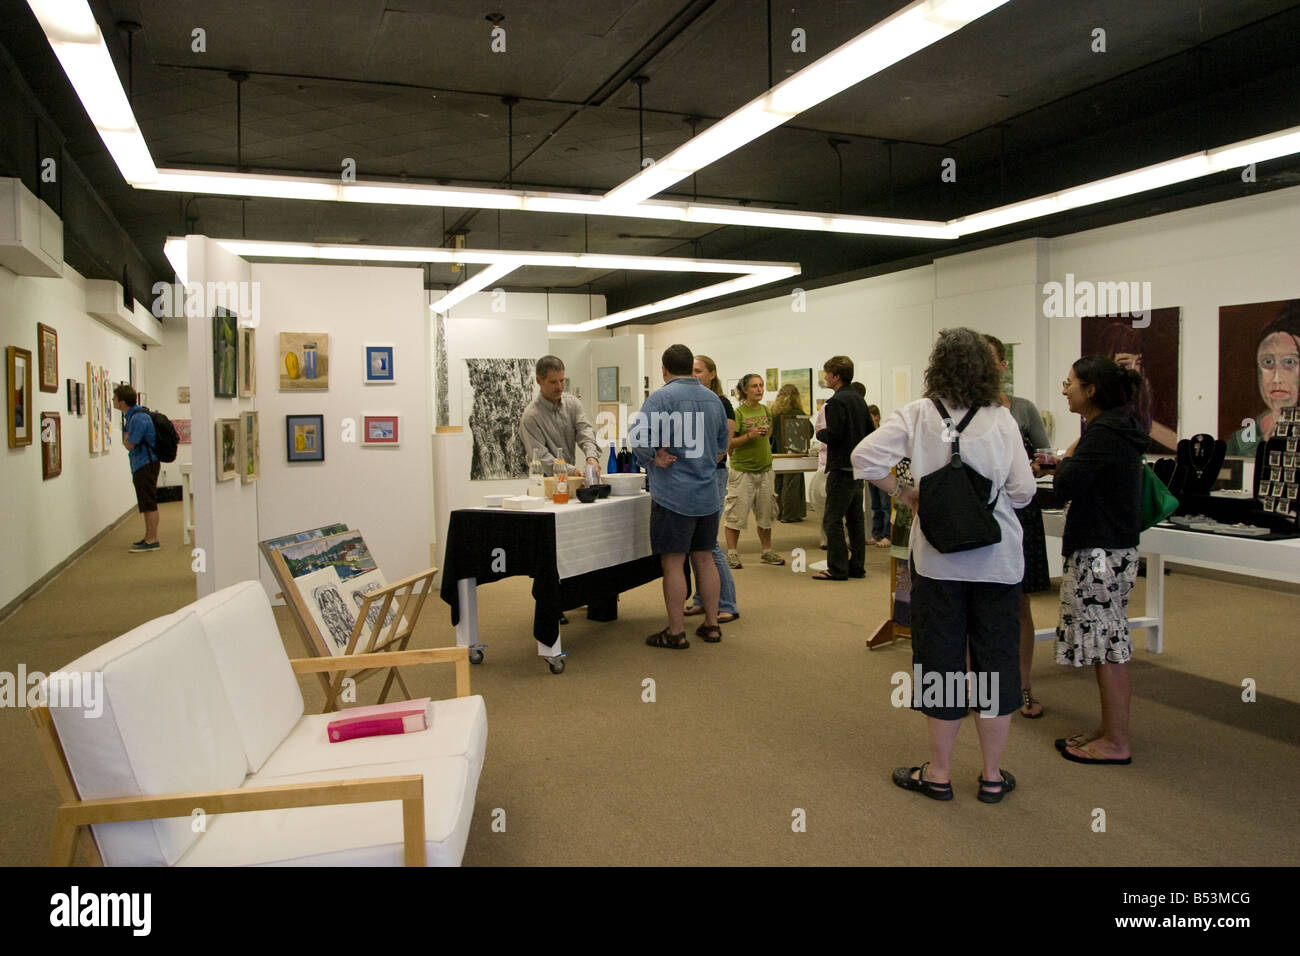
(18, 396)
(304, 437)
(379, 365)
(247, 363)
(130, 372)
(81, 398)
(379, 430)
(47, 346)
(304, 361)
(607, 384)
(183, 394)
(770, 382)
(1152, 350)
(72, 397)
(802, 379)
(51, 445)
(250, 460)
(225, 354)
(92, 406)
(227, 448)
(184, 435)
(106, 406)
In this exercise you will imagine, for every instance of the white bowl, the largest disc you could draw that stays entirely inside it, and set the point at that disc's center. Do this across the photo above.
(624, 484)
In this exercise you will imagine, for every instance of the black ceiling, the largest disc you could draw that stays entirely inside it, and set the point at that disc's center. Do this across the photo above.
(412, 89)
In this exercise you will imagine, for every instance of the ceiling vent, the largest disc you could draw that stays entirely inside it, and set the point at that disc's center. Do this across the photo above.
(31, 235)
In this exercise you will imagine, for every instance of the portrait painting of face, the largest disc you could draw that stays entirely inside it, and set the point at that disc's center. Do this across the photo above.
(1259, 371)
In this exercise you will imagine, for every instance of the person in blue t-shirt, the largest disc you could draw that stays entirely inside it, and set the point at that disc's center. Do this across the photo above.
(139, 437)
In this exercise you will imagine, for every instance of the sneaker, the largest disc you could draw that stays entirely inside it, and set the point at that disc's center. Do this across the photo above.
(771, 557)
(733, 559)
(136, 544)
(141, 547)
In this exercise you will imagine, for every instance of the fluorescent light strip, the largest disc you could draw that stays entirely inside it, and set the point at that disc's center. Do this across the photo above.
(478, 283)
(501, 263)
(75, 38)
(888, 42)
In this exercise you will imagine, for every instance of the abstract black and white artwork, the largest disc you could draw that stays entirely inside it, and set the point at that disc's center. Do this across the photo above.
(501, 389)
(441, 387)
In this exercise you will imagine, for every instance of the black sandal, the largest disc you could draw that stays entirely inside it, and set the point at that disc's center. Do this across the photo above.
(711, 633)
(935, 791)
(675, 642)
(1004, 786)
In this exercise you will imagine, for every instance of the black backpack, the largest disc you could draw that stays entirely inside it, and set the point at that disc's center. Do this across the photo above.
(955, 512)
(165, 439)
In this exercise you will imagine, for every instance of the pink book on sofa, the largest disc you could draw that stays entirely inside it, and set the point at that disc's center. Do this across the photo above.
(402, 717)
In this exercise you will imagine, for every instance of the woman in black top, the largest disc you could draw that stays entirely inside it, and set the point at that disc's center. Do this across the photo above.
(1101, 478)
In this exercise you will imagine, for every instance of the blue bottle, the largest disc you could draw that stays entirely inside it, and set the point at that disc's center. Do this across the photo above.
(612, 467)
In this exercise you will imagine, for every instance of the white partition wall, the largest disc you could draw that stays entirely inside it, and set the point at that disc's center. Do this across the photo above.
(385, 493)
(225, 512)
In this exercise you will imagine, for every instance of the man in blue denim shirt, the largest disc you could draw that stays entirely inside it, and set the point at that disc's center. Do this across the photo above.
(139, 437)
(679, 435)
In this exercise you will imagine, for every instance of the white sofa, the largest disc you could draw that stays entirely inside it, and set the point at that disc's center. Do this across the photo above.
(203, 724)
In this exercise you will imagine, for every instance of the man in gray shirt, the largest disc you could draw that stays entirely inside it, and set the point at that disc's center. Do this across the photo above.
(555, 422)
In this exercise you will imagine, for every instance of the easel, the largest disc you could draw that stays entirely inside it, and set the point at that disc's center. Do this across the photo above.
(891, 631)
(403, 599)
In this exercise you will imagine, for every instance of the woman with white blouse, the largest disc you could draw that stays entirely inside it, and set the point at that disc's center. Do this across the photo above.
(965, 605)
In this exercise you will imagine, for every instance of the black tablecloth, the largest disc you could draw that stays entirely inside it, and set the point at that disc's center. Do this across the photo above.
(526, 543)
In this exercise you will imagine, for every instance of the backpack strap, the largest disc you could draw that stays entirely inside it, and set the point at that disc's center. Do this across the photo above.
(955, 458)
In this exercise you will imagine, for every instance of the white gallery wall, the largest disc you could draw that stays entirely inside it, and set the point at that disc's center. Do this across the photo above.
(45, 521)
(168, 369)
(383, 492)
(1230, 253)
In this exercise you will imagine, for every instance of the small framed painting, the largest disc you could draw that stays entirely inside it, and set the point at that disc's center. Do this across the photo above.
(51, 445)
(250, 464)
(607, 384)
(379, 365)
(183, 394)
(225, 354)
(18, 396)
(47, 344)
(81, 398)
(130, 372)
(304, 361)
(247, 363)
(184, 435)
(106, 394)
(72, 397)
(379, 430)
(227, 448)
(92, 407)
(305, 437)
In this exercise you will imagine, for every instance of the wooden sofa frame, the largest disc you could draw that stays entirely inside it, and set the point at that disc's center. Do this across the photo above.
(74, 816)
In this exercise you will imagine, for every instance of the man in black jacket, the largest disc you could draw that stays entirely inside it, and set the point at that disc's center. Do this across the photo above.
(847, 423)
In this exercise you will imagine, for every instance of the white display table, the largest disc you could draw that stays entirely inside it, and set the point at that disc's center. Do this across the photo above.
(782, 463)
(1261, 559)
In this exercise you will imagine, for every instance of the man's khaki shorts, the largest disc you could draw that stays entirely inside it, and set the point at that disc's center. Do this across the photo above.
(746, 490)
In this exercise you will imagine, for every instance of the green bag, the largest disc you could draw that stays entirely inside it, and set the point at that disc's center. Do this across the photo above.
(1158, 502)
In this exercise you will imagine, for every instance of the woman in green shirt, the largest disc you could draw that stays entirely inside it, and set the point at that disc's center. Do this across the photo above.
(750, 482)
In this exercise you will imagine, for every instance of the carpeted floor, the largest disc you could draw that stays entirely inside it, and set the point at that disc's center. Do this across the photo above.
(789, 713)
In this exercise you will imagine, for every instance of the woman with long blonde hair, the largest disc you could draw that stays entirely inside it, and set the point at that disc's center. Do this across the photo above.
(792, 505)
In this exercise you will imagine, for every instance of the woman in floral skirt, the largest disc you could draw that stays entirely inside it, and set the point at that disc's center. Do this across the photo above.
(1101, 479)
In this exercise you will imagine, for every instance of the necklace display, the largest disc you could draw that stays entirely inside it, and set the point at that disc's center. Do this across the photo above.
(1200, 459)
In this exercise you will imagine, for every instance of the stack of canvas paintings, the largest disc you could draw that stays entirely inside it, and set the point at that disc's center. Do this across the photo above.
(333, 574)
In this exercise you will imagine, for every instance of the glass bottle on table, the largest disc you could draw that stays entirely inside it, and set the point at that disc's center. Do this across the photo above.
(612, 467)
(536, 478)
(561, 482)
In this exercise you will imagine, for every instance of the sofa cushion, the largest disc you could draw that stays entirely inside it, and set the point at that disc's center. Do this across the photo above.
(358, 834)
(459, 729)
(260, 684)
(166, 727)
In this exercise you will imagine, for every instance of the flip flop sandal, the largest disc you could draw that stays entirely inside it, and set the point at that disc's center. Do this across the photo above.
(1094, 759)
(1004, 786)
(693, 610)
(935, 791)
(674, 642)
(827, 576)
(711, 633)
(1074, 740)
(726, 617)
(1029, 701)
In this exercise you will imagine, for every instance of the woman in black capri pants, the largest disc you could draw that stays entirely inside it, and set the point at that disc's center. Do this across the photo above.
(965, 602)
